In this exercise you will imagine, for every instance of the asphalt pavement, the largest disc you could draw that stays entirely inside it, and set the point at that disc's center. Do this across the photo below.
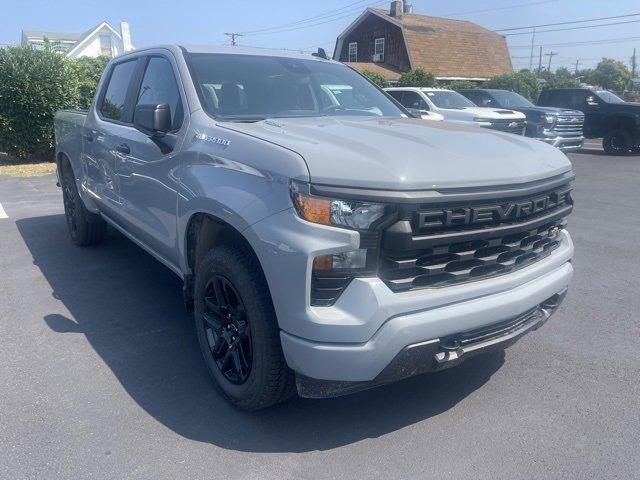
(101, 376)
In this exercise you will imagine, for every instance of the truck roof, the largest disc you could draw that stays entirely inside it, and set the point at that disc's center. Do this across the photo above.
(237, 50)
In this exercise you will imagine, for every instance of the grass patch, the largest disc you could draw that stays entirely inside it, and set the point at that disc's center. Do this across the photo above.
(8, 166)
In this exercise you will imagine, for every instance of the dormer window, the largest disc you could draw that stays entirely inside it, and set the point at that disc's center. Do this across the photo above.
(353, 51)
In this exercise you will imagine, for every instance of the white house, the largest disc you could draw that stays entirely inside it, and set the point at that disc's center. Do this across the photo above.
(102, 39)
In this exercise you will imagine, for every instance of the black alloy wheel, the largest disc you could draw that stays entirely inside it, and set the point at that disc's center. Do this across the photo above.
(227, 329)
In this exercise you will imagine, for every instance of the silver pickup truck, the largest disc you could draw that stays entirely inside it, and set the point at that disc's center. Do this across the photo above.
(327, 243)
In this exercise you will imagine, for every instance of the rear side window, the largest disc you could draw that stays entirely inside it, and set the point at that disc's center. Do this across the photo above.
(114, 105)
(159, 86)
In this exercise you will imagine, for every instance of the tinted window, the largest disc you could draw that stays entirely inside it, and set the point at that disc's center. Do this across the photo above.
(114, 102)
(248, 87)
(159, 86)
(448, 99)
(413, 100)
(504, 99)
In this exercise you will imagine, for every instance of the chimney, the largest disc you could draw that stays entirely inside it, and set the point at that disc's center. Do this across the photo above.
(408, 8)
(396, 8)
(125, 33)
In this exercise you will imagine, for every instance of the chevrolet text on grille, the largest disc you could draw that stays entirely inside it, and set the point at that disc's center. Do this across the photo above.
(462, 216)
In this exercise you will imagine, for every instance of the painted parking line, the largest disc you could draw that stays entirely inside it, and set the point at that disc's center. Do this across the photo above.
(3, 214)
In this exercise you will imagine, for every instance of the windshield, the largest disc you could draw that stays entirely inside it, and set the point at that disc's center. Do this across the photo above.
(254, 87)
(511, 100)
(609, 97)
(448, 99)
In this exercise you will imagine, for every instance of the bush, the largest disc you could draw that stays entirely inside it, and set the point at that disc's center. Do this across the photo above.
(561, 78)
(417, 78)
(376, 78)
(86, 73)
(523, 82)
(460, 85)
(33, 85)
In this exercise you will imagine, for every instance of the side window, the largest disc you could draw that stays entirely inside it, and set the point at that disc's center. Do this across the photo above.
(159, 86)
(396, 94)
(413, 100)
(483, 99)
(578, 100)
(353, 52)
(114, 105)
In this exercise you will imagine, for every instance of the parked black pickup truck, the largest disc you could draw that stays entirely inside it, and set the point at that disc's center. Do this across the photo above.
(606, 116)
(559, 127)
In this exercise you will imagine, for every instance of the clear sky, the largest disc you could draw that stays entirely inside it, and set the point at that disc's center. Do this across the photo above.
(205, 21)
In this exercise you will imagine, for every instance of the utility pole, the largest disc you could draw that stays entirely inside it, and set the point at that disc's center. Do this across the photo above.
(550, 55)
(233, 37)
(577, 63)
(631, 85)
(540, 61)
(533, 39)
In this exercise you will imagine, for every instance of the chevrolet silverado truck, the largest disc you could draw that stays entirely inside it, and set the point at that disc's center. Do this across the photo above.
(324, 248)
(559, 127)
(607, 116)
(455, 107)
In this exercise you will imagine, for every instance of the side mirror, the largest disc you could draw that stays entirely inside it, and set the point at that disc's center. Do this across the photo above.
(152, 120)
(592, 101)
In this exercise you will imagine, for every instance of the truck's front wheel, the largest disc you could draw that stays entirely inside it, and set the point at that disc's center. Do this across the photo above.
(237, 330)
(85, 228)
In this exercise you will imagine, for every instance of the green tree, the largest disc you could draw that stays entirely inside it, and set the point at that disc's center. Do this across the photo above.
(609, 74)
(561, 78)
(86, 73)
(418, 77)
(523, 82)
(460, 85)
(33, 85)
(376, 78)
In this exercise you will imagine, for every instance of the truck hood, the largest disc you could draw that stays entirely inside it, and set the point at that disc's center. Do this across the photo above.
(407, 153)
(493, 113)
(550, 111)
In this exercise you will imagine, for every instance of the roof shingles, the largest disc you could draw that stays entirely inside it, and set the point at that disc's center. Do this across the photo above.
(453, 48)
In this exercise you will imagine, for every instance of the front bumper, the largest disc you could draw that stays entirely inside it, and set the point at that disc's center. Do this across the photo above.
(439, 353)
(564, 143)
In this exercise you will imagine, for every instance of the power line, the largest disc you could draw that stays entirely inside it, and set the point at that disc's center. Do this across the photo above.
(497, 8)
(587, 42)
(315, 17)
(571, 28)
(567, 23)
(315, 21)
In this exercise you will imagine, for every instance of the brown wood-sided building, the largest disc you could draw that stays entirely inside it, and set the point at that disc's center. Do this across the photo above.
(395, 41)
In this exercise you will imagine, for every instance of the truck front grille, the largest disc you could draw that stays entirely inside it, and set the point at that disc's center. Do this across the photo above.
(510, 126)
(457, 242)
(464, 261)
(569, 126)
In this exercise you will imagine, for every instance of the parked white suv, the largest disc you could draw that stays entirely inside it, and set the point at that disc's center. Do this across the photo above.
(457, 108)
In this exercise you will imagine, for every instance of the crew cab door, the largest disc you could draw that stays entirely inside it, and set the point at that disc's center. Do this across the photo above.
(105, 126)
(148, 186)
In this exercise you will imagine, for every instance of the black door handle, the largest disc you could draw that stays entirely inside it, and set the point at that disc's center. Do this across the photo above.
(123, 148)
(87, 137)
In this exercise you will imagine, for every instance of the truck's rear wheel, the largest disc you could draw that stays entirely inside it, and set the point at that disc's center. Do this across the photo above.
(617, 142)
(85, 228)
(238, 331)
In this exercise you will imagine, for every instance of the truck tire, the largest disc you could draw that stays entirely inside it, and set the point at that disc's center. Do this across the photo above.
(238, 331)
(617, 142)
(85, 228)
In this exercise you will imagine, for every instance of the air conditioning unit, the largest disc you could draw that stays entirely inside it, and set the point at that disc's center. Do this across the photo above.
(378, 57)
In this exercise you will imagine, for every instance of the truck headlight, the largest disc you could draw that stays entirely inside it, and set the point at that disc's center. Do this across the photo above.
(331, 273)
(339, 213)
(549, 120)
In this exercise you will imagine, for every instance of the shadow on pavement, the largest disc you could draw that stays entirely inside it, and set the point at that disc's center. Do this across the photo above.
(130, 309)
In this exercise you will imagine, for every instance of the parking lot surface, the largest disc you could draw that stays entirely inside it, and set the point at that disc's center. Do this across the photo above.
(101, 375)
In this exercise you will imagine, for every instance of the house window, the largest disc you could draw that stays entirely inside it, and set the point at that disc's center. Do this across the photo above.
(105, 45)
(378, 51)
(353, 52)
